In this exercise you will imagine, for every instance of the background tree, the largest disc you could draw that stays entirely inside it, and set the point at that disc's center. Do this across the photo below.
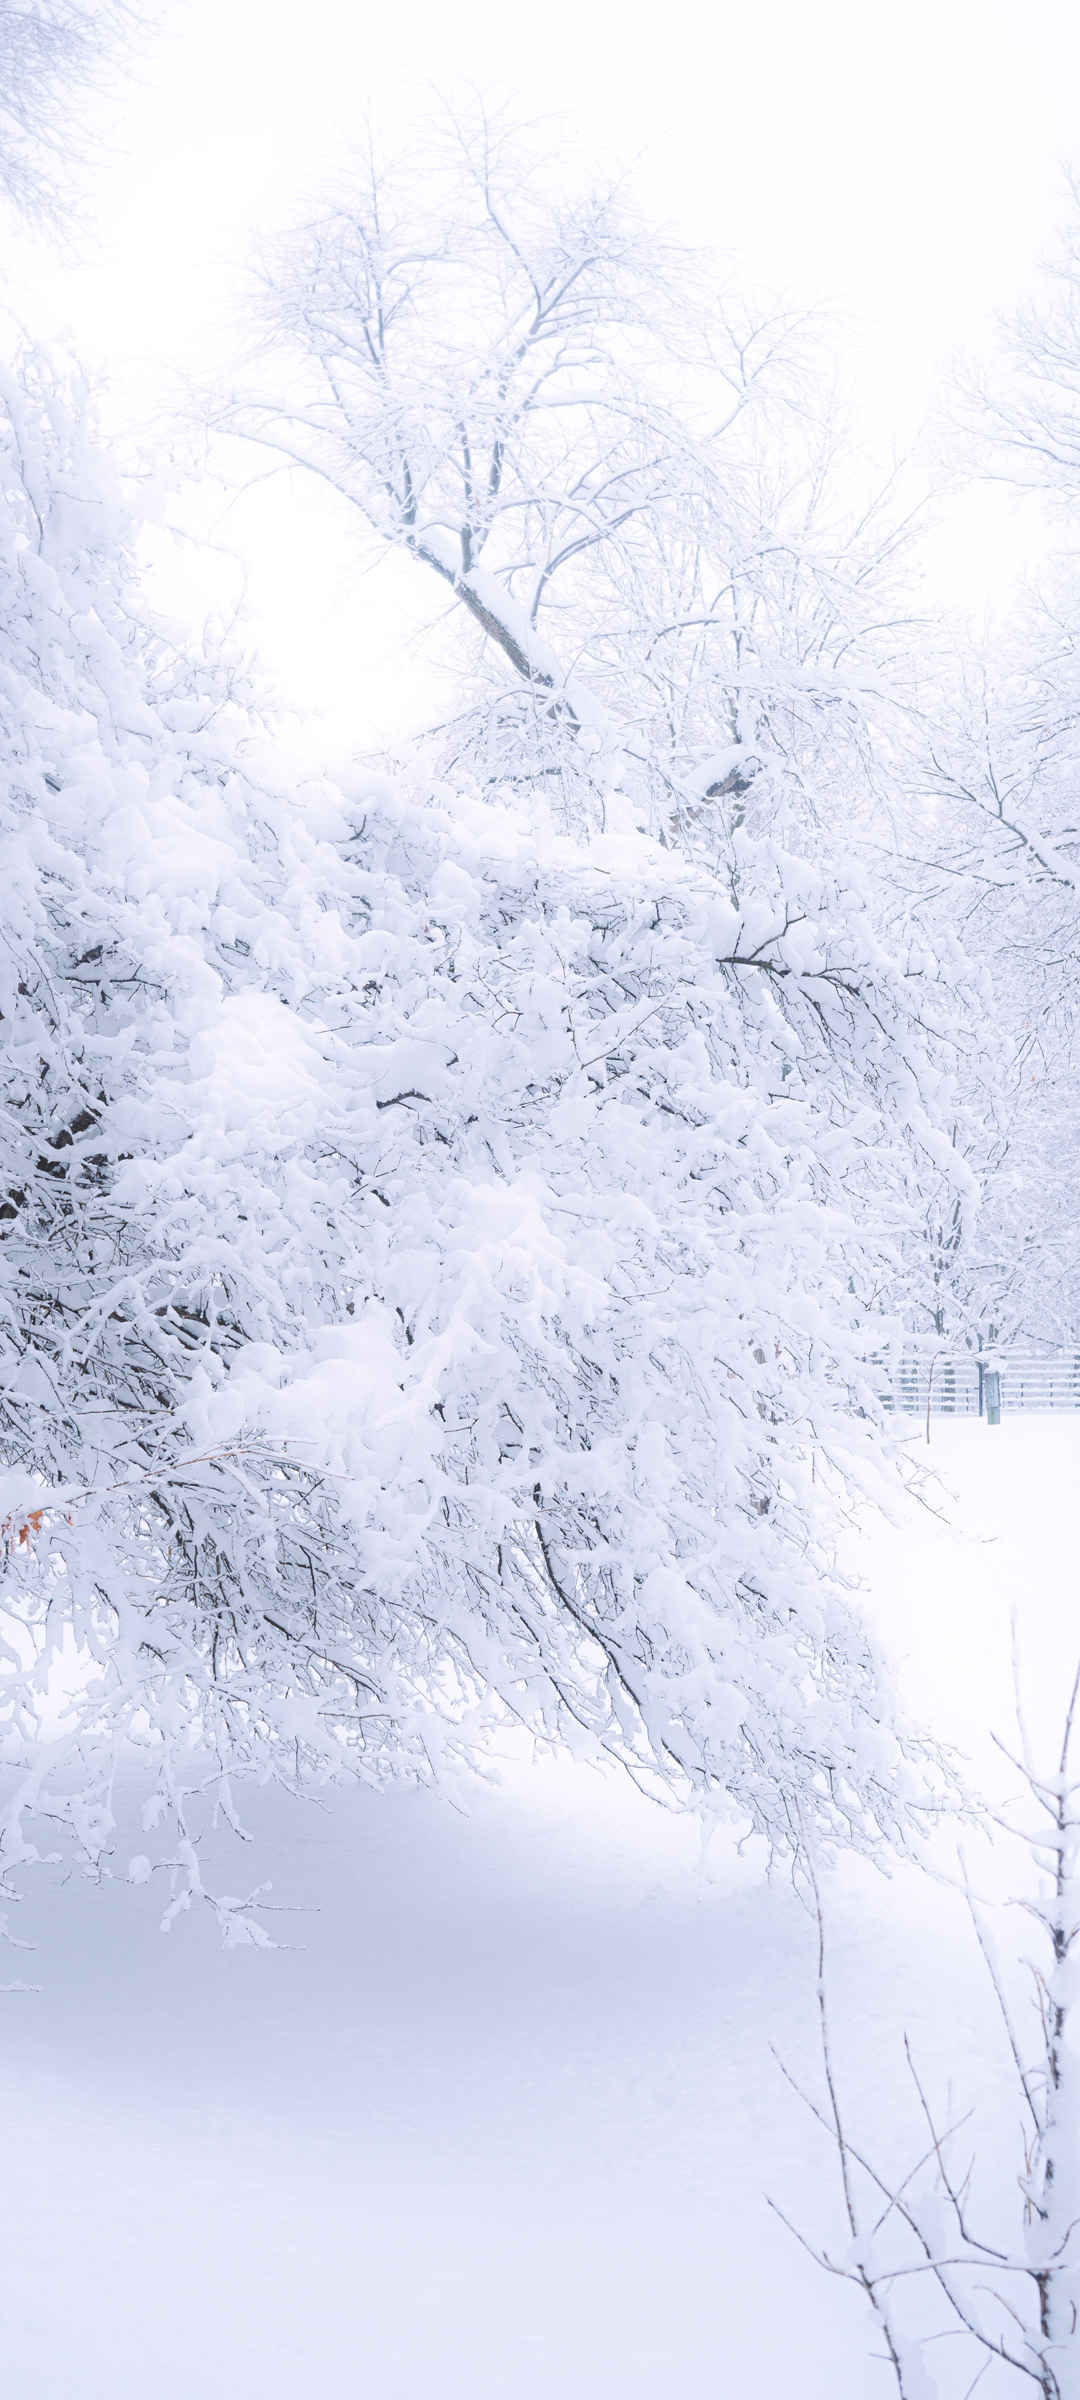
(621, 474)
(995, 825)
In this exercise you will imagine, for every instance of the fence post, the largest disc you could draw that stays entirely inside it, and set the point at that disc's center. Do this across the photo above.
(992, 1389)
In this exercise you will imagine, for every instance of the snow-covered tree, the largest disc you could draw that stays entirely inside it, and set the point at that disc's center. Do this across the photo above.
(440, 1254)
(50, 51)
(997, 844)
(999, 841)
(626, 482)
(619, 474)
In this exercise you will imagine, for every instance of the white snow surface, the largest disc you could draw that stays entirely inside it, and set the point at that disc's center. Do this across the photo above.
(501, 2114)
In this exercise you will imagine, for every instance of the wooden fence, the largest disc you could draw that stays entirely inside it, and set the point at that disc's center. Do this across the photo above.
(952, 1382)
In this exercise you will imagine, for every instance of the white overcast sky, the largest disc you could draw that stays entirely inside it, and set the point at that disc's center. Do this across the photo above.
(903, 164)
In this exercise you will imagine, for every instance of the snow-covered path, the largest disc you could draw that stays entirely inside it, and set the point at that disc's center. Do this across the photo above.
(504, 2117)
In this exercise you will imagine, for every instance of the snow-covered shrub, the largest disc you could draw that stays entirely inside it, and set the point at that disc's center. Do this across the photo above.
(440, 1256)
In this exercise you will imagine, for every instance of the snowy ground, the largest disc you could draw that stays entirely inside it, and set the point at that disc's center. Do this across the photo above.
(503, 2116)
